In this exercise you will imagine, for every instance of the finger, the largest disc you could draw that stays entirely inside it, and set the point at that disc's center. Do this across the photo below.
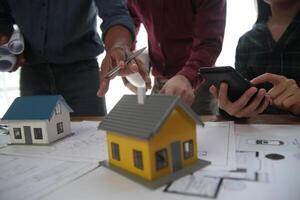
(223, 101)
(237, 108)
(278, 90)
(213, 91)
(189, 98)
(104, 85)
(3, 39)
(250, 109)
(244, 99)
(267, 77)
(279, 100)
(264, 105)
(295, 109)
(104, 82)
(119, 56)
(291, 101)
(223, 95)
(130, 68)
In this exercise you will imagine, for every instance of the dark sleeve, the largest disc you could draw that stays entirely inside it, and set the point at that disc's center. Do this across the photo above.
(241, 58)
(112, 13)
(209, 28)
(6, 21)
(134, 14)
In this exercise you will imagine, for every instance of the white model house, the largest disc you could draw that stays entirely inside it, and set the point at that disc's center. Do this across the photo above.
(38, 119)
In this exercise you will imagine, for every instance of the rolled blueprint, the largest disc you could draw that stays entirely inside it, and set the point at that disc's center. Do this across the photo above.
(7, 62)
(4, 50)
(15, 45)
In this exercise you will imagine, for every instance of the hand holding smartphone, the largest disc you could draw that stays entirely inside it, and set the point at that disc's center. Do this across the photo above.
(237, 84)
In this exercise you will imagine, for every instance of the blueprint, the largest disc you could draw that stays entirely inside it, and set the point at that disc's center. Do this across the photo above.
(216, 143)
(267, 156)
(32, 171)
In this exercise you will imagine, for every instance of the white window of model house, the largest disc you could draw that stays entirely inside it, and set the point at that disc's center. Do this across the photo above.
(58, 109)
(17, 133)
(38, 133)
(241, 16)
(60, 127)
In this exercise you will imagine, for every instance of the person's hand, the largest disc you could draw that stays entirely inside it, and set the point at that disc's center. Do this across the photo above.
(241, 107)
(179, 85)
(285, 92)
(116, 57)
(20, 58)
(143, 72)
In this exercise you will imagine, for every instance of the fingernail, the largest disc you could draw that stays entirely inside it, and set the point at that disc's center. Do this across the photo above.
(253, 90)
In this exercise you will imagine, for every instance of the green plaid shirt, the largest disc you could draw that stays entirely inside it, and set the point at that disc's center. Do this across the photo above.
(257, 53)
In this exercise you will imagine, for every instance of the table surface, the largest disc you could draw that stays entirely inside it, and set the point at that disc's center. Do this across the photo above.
(102, 183)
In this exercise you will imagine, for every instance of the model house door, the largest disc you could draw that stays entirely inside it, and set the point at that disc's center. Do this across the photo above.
(176, 160)
(27, 132)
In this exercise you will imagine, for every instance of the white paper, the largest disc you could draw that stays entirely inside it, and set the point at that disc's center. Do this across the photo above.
(216, 143)
(272, 134)
(200, 186)
(23, 178)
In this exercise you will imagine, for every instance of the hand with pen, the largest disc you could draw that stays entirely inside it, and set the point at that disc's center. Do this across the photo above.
(121, 62)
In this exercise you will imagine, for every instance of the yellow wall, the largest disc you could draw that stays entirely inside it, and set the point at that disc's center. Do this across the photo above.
(178, 127)
(126, 147)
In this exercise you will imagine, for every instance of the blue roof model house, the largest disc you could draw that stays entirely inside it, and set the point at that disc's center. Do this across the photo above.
(38, 119)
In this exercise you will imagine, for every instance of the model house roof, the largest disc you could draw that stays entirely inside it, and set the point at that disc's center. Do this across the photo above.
(143, 120)
(34, 107)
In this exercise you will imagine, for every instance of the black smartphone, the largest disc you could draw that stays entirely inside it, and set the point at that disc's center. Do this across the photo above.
(237, 84)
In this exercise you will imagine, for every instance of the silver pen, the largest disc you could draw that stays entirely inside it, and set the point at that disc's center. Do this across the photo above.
(128, 60)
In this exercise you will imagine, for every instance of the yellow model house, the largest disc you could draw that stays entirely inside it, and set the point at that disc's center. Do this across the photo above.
(154, 142)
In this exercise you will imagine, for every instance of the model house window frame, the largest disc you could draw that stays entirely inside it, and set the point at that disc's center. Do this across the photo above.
(158, 162)
(115, 151)
(138, 159)
(58, 109)
(188, 149)
(38, 133)
(19, 131)
(60, 127)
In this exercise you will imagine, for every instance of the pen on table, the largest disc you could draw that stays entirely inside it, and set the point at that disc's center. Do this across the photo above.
(128, 60)
(266, 142)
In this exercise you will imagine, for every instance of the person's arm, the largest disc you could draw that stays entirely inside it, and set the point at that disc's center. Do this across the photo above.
(208, 37)
(135, 18)
(207, 44)
(118, 35)
(242, 107)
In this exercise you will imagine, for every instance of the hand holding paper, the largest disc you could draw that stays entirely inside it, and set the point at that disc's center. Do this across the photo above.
(11, 51)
